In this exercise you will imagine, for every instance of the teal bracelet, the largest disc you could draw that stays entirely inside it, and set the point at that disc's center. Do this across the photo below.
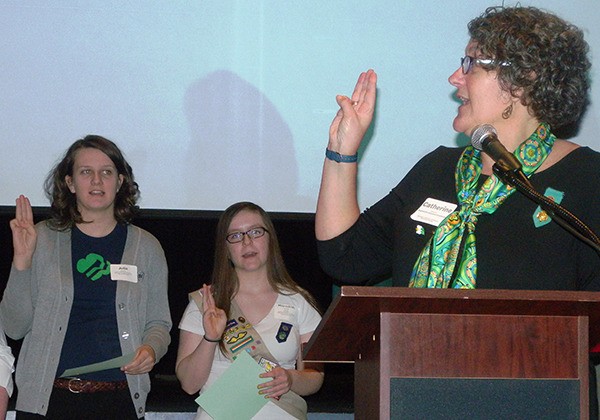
(337, 157)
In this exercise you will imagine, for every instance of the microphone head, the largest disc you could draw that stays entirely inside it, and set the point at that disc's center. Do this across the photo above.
(480, 133)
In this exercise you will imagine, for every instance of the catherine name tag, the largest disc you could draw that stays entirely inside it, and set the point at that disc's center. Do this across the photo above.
(433, 211)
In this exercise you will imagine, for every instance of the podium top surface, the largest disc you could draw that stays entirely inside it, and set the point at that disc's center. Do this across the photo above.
(355, 312)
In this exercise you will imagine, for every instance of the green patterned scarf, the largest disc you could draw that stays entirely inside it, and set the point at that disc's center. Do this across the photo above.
(449, 258)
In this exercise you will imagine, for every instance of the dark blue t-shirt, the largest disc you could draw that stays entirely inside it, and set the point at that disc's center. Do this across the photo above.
(92, 334)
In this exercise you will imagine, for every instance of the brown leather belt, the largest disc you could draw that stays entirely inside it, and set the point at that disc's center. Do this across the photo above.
(76, 385)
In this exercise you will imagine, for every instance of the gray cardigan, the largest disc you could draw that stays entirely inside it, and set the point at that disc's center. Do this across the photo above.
(37, 304)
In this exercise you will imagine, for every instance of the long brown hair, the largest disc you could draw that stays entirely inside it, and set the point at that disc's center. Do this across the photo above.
(225, 282)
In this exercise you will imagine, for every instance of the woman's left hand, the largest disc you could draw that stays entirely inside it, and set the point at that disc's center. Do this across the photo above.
(279, 385)
(143, 362)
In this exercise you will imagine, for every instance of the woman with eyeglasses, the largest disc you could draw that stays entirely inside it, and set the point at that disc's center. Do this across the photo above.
(253, 306)
(451, 223)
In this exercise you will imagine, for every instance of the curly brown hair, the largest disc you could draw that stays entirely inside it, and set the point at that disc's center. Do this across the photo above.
(224, 279)
(63, 204)
(549, 64)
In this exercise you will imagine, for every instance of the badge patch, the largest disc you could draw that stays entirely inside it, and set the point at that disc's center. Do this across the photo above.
(245, 341)
(230, 324)
(284, 332)
(267, 365)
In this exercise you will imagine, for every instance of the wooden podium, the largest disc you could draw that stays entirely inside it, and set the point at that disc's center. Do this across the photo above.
(447, 353)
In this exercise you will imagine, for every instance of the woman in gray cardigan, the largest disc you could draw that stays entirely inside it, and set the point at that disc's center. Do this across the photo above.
(86, 286)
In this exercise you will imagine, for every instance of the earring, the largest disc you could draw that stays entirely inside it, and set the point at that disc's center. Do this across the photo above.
(507, 112)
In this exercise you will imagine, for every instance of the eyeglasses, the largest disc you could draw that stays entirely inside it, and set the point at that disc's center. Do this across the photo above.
(254, 233)
(467, 62)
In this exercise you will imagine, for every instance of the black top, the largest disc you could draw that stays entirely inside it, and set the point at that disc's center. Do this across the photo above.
(92, 335)
(512, 253)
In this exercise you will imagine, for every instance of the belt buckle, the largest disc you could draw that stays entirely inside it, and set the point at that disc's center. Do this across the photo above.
(74, 387)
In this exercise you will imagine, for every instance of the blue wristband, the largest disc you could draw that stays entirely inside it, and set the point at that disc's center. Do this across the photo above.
(337, 157)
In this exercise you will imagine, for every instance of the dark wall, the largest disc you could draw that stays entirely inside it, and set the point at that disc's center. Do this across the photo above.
(188, 240)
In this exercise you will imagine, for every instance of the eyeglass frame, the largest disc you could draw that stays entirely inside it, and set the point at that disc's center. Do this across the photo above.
(470, 61)
(248, 234)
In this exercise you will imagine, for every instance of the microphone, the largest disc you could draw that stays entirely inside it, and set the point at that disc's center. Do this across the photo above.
(485, 138)
(509, 170)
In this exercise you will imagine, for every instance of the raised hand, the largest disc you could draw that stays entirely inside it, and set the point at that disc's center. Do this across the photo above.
(213, 319)
(355, 115)
(23, 233)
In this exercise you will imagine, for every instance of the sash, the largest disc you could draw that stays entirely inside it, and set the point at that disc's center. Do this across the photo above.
(238, 334)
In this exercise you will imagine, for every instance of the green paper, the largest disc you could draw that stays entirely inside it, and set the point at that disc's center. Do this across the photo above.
(117, 362)
(235, 394)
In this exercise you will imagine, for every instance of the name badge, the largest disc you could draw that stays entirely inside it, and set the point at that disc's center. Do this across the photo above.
(284, 312)
(124, 272)
(433, 211)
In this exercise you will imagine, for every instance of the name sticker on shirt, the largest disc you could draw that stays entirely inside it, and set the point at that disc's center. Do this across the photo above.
(433, 211)
(284, 312)
(124, 272)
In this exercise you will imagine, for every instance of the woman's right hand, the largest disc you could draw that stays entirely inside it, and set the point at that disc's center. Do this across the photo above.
(213, 319)
(354, 116)
(337, 206)
(23, 233)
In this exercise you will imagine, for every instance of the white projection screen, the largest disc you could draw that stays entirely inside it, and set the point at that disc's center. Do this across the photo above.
(215, 102)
